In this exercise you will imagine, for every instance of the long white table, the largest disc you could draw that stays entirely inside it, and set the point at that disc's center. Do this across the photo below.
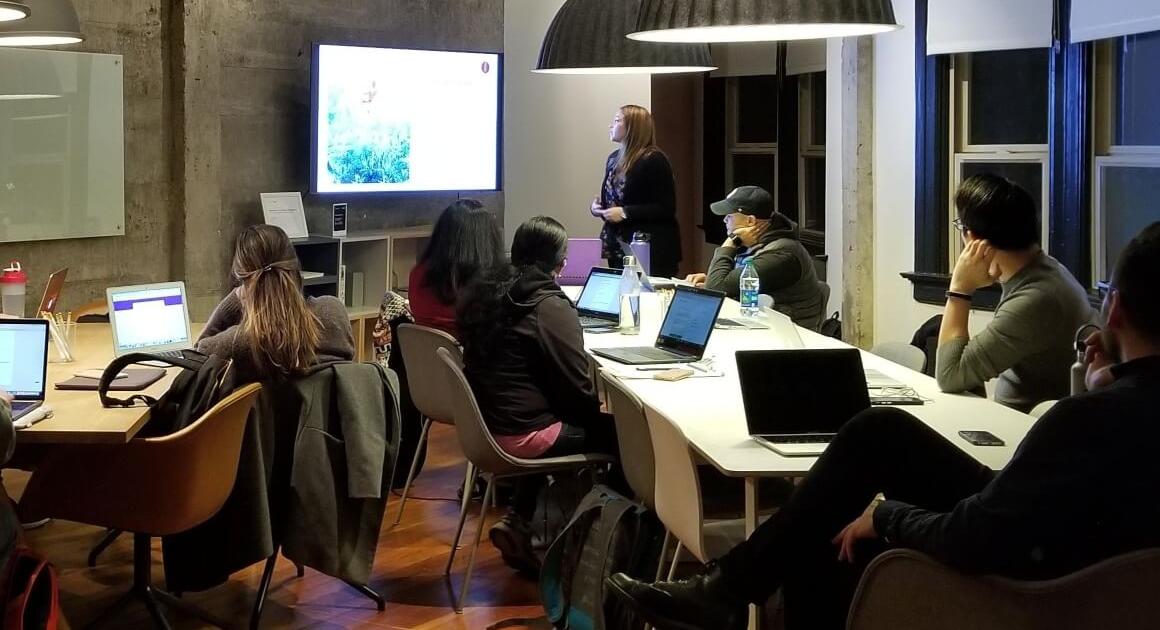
(710, 413)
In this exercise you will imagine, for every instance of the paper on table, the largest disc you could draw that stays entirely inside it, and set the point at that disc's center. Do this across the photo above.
(285, 210)
(628, 372)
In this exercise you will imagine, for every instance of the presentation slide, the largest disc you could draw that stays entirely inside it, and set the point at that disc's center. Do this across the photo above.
(150, 318)
(392, 120)
(26, 343)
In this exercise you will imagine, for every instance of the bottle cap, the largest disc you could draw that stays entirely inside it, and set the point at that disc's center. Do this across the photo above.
(13, 274)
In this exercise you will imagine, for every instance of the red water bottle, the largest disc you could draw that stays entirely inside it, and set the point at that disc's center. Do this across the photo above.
(13, 287)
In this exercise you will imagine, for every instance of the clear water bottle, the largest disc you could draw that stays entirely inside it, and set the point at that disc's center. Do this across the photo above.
(750, 289)
(630, 297)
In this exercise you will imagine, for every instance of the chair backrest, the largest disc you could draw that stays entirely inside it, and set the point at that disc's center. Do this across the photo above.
(678, 488)
(425, 378)
(1042, 408)
(765, 301)
(474, 437)
(157, 486)
(906, 589)
(633, 439)
(900, 353)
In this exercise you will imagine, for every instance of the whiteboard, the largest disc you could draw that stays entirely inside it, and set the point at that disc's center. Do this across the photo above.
(62, 146)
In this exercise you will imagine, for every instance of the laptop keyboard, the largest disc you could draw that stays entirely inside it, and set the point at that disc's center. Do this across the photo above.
(168, 354)
(805, 438)
(18, 406)
(650, 354)
(595, 322)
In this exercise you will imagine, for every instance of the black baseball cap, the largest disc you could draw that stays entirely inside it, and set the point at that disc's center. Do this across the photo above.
(751, 200)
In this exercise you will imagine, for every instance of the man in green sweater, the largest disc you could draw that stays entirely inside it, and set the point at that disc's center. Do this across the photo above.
(760, 234)
(1029, 345)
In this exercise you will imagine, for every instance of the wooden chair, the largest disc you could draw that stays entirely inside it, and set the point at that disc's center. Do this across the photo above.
(906, 589)
(148, 486)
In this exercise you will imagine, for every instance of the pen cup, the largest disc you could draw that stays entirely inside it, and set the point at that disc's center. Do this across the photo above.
(666, 298)
(67, 335)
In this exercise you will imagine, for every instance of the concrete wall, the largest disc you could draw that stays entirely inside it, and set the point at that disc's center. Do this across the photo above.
(555, 127)
(137, 30)
(217, 111)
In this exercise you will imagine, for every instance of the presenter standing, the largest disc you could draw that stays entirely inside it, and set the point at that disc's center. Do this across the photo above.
(638, 194)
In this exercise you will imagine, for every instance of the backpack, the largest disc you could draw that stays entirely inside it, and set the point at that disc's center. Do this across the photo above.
(832, 327)
(607, 534)
(202, 383)
(28, 585)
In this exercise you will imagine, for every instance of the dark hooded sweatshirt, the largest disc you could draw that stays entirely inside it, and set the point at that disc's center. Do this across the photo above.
(784, 267)
(537, 373)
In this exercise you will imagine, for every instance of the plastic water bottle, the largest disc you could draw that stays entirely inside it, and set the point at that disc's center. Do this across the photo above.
(750, 289)
(641, 248)
(630, 297)
(13, 286)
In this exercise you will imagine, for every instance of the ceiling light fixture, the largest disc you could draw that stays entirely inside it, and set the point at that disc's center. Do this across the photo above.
(12, 11)
(588, 37)
(719, 21)
(51, 23)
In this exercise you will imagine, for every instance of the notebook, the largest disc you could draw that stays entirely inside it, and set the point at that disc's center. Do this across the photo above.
(24, 362)
(684, 334)
(151, 318)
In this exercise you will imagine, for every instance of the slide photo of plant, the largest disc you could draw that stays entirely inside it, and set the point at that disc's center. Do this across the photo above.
(366, 145)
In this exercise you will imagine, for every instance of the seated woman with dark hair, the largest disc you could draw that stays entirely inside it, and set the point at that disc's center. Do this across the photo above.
(466, 240)
(524, 357)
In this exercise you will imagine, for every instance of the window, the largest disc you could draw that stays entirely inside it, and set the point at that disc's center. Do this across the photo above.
(1126, 144)
(751, 135)
(812, 156)
(997, 124)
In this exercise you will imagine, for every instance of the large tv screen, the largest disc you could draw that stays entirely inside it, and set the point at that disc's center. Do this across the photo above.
(397, 120)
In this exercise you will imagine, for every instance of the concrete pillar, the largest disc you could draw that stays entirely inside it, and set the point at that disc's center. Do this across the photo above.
(858, 191)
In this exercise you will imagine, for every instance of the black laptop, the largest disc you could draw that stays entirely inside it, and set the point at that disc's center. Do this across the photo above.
(599, 302)
(684, 334)
(797, 400)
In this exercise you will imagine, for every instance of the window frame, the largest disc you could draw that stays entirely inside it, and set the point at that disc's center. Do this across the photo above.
(735, 148)
(807, 150)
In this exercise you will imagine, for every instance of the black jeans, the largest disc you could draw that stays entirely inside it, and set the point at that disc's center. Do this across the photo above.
(879, 450)
(596, 436)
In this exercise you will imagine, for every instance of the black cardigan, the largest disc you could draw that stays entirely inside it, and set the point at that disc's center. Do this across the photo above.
(649, 200)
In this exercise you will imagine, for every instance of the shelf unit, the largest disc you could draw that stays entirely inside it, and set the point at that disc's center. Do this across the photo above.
(368, 264)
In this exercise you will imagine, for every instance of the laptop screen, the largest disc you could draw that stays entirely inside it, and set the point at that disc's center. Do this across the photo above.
(787, 392)
(148, 317)
(23, 357)
(690, 320)
(601, 293)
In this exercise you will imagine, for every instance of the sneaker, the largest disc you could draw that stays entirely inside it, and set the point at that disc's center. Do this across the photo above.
(512, 537)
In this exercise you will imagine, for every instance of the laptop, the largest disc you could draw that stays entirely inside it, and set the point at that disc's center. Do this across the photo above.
(599, 302)
(684, 334)
(24, 362)
(52, 291)
(151, 318)
(797, 400)
(583, 255)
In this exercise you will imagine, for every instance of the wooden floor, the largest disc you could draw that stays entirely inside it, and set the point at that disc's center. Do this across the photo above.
(408, 571)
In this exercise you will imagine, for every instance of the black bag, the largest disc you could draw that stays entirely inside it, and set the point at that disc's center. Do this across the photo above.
(832, 327)
(203, 382)
(607, 534)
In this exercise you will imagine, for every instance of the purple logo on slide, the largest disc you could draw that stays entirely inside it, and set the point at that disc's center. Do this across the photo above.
(486, 67)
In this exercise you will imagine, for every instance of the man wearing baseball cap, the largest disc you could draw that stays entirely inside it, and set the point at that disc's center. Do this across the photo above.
(759, 233)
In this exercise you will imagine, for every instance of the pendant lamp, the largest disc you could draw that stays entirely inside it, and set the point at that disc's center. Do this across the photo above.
(760, 20)
(12, 11)
(50, 23)
(588, 37)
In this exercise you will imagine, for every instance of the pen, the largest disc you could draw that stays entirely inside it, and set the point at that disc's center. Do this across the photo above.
(653, 369)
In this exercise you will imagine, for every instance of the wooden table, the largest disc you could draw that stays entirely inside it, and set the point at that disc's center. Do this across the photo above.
(78, 416)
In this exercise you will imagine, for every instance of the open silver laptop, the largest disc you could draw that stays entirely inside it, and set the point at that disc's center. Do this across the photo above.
(796, 400)
(684, 334)
(151, 318)
(24, 362)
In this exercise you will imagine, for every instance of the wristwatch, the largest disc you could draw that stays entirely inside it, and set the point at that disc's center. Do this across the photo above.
(736, 240)
(961, 296)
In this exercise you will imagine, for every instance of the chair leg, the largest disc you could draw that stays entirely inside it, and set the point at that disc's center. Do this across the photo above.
(380, 603)
(468, 485)
(109, 538)
(661, 559)
(263, 590)
(154, 609)
(414, 465)
(475, 548)
(676, 561)
(462, 520)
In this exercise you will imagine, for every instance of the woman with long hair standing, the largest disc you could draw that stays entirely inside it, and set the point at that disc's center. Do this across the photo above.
(266, 324)
(524, 357)
(466, 240)
(638, 194)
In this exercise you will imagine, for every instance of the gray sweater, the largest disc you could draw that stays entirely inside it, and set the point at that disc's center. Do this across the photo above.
(1028, 345)
(222, 334)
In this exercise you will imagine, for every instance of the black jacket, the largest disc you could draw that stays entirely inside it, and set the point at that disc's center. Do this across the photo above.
(538, 372)
(1083, 486)
(649, 200)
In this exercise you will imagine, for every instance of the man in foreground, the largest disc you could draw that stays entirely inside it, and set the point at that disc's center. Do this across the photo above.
(1083, 486)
